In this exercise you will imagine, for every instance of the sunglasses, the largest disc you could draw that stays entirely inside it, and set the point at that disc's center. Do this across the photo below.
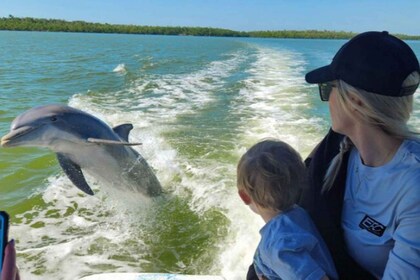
(325, 90)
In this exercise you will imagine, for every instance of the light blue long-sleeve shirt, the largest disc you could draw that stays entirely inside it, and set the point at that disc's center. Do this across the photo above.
(381, 214)
(292, 248)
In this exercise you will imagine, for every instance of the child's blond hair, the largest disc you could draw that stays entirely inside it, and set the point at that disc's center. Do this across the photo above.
(272, 173)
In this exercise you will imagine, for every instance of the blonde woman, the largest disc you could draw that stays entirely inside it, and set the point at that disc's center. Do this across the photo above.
(365, 174)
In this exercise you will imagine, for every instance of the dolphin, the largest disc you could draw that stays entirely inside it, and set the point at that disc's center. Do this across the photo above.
(84, 142)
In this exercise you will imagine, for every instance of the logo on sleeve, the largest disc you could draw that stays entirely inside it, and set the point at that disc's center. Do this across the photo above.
(372, 226)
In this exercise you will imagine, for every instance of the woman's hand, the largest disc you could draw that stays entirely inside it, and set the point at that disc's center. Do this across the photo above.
(10, 271)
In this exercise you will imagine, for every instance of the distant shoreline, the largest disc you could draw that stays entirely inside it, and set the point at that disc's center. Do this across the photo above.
(55, 25)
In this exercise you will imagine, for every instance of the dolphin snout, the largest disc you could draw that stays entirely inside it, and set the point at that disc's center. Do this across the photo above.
(3, 142)
(7, 140)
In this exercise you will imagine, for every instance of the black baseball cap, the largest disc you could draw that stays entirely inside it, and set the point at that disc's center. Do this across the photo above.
(373, 61)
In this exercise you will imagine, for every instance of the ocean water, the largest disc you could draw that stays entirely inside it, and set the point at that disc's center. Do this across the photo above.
(196, 104)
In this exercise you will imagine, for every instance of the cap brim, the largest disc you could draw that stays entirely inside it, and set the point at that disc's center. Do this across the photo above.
(320, 75)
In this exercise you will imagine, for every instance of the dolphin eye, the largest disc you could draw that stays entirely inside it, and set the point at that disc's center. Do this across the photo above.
(53, 118)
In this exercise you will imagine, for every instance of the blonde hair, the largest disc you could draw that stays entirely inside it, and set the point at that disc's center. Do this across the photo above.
(272, 173)
(389, 113)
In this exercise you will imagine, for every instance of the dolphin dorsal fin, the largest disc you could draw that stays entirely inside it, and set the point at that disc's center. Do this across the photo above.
(123, 130)
(74, 173)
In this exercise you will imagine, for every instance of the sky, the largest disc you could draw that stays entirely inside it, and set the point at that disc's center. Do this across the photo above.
(395, 16)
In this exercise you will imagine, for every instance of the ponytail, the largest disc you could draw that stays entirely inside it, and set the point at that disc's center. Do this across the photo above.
(335, 165)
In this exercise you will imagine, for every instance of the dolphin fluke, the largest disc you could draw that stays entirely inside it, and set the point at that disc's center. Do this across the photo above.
(74, 173)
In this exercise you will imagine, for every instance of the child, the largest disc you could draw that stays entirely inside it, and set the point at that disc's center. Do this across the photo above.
(271, 175)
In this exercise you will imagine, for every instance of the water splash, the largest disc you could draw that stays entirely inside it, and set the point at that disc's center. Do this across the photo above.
(120, 69)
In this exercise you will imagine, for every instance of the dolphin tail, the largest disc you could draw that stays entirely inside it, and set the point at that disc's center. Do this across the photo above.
(74, 173)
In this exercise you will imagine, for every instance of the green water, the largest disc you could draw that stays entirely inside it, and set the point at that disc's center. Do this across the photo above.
(196, 104)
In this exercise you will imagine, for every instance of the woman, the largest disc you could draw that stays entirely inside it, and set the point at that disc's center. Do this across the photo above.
(365, 174)
(365, 193)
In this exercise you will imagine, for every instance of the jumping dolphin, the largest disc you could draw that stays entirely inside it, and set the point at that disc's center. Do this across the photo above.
(84, 142)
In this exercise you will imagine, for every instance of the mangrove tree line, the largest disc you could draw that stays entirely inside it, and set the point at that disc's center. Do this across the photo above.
(56, 25)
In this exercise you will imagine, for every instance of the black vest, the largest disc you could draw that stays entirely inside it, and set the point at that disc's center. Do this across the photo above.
(325, 208)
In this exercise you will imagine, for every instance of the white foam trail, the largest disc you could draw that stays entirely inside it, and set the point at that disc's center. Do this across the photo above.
(275, 101)
(169, 95)
(271, 105)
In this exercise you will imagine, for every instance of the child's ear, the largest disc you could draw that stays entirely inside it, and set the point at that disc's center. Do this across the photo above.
(245, 197)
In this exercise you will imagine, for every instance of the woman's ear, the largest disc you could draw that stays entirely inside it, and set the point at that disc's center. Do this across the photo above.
(245, 197)
(356, 99)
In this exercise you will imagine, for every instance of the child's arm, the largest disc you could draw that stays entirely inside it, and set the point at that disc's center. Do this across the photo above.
(297, 265)
(325, 278)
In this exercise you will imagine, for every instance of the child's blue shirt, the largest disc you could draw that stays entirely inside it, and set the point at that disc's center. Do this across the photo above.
(292, 248)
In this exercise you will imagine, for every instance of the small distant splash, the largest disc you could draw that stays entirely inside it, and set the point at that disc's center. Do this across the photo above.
(120, 69)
